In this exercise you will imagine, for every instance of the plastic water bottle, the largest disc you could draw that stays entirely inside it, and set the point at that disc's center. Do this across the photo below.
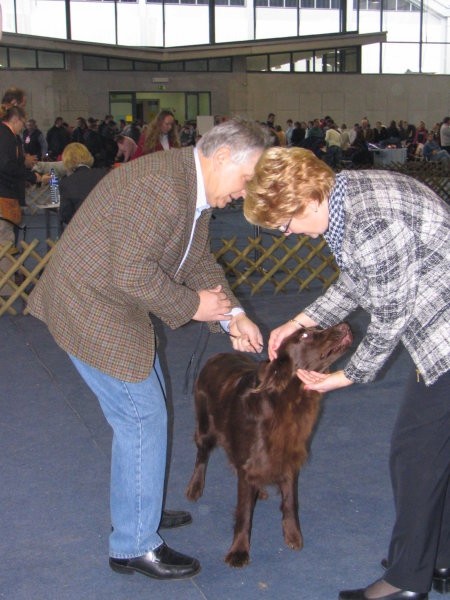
(54, 187)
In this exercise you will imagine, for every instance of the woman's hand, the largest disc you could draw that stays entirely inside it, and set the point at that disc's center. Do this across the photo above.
(281, 332)
(323, 382)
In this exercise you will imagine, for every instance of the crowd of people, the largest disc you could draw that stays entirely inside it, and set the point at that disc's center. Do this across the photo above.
(339, 146)
(107, 140)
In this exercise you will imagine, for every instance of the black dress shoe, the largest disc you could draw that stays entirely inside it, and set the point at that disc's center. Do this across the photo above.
(162, 563)
(174, 518)
(400, 595)
(441, 578)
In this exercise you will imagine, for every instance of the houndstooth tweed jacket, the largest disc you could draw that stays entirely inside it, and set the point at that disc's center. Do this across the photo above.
(396, 265)
(118, 261)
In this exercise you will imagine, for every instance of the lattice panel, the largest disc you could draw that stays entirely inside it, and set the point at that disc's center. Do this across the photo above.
(21, 277)
(276, 263)
(265, 261)
(435, 175)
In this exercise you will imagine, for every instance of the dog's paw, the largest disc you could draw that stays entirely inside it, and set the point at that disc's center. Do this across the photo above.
(293, 540)
(194, 490)
(237, 558)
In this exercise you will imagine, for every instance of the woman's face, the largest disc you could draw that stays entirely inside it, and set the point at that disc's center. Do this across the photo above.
(167, 124)
(313, 221)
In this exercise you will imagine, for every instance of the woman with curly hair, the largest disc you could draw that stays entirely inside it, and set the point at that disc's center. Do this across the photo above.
(161, 134)
(390, 236)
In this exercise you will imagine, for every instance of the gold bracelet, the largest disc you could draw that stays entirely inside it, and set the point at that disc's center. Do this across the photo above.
(296, 322)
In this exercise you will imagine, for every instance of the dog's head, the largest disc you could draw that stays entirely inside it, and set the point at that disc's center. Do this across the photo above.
(310, 348)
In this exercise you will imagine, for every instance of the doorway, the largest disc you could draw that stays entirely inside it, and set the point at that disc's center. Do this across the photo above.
(145, 106)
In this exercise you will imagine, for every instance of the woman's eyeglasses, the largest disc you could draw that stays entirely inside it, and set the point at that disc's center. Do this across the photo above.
(284, 228)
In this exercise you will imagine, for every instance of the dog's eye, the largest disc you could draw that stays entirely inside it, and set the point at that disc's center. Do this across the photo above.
(304, 335)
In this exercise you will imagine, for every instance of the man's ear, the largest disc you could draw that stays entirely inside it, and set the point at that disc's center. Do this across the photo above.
(221, 155)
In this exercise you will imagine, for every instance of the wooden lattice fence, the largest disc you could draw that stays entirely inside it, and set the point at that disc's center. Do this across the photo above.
(264, 261)
(23, 274)
(435, 175)
(276, 262)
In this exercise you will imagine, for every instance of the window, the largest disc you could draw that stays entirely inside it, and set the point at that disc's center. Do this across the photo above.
(23, 58)
(332, 60)
(120, 64)
(95, 63)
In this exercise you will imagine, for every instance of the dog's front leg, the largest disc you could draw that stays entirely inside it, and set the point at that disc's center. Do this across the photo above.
(238, 554)
(289, 508)
(205, 443)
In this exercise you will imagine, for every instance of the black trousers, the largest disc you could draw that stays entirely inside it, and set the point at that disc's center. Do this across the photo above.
(420, 473)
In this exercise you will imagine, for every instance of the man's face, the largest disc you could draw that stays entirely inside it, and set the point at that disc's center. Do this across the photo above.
(227, 179)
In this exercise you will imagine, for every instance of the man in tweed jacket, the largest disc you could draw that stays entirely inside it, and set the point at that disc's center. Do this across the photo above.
(390, 236)
(139, 244)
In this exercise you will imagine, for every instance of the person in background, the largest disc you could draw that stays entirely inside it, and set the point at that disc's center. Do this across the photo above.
(138, 248)
(161, 134)
(298, 133)
(420, 136)
(444, 134)
(333, 141)
(271, 121)
(13, 177)
(34, 142)
(187, 135)
(126, 148)
(133, 130)
(81, 179)
(280, 135)
(14, 96)
(345, 137)
(80, 132)
(390, 236)
(289, 130)
(433, 152)
(57, 139)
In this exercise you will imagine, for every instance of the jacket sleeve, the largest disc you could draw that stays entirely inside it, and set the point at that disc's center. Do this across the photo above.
(387, 270)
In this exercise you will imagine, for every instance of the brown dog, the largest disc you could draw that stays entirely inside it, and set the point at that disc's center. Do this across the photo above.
(263, 417)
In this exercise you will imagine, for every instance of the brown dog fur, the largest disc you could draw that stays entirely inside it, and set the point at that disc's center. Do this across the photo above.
(260, 413)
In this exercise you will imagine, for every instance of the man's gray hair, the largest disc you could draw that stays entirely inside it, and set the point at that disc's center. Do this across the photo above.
(242, 136)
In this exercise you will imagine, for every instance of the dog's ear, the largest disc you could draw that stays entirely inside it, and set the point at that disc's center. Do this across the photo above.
(276, 375)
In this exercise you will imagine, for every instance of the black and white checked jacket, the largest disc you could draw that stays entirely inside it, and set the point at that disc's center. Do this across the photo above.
(395, 260)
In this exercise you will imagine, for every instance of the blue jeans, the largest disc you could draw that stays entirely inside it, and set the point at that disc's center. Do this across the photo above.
(138, 416)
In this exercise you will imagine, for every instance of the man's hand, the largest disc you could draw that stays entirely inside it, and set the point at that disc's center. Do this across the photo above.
(214, 305)
(245, 335)
(323, 382)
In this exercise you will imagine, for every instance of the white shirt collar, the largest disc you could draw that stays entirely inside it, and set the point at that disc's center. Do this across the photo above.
(202, 203)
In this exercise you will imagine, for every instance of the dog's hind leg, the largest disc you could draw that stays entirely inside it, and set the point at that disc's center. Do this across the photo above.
(239, 552)
(289, 508)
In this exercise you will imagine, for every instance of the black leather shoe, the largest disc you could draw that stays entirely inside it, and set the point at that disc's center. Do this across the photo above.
(400, 595)
(174, 518)
(441, 578)
(162, 563)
